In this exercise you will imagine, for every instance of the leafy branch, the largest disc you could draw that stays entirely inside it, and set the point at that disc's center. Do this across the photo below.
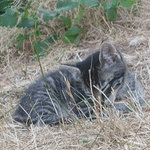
(23, 18)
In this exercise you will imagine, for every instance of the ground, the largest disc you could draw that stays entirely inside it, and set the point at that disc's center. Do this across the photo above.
(131, 35)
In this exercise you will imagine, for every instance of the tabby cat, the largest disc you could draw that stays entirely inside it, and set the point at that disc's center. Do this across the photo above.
(69, 93)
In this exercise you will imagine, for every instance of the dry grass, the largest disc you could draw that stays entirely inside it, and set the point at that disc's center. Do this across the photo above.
(17, 71)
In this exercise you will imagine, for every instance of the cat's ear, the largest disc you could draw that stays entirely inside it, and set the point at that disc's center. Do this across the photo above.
(109, 55)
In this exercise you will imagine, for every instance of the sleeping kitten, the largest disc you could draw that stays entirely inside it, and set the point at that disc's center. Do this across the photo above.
(69, 92)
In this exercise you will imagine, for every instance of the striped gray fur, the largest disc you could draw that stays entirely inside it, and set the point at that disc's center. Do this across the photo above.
(67, 93)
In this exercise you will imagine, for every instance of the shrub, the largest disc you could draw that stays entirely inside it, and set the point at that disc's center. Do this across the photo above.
(23, 18)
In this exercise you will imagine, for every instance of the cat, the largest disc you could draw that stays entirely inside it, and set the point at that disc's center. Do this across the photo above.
(68, 93)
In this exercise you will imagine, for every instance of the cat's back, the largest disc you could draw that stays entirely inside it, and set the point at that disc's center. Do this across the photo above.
(46, 92)
(54, 80)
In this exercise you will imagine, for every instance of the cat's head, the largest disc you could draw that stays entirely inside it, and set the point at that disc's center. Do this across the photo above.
(112, 69)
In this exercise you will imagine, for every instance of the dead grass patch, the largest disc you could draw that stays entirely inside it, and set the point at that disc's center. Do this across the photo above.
(17, 72)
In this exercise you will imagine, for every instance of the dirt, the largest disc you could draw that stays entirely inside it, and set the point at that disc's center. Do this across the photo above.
(131, 35)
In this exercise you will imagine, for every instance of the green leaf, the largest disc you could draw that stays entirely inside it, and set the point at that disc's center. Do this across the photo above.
(71, 40)
(111, 9)
(26, 23)
(90, 3)
(67, 21)
(127, 3)
(80, 14)
(37, 33)
(9, 18)
(4, 4)
(26, 13)
(62, 6)
(48, 15)
(72, 35)
(75, 30)
(114, 3)
(66, 5)
(110, 4)
(112, 13)
(40, 47)
(26, 20)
